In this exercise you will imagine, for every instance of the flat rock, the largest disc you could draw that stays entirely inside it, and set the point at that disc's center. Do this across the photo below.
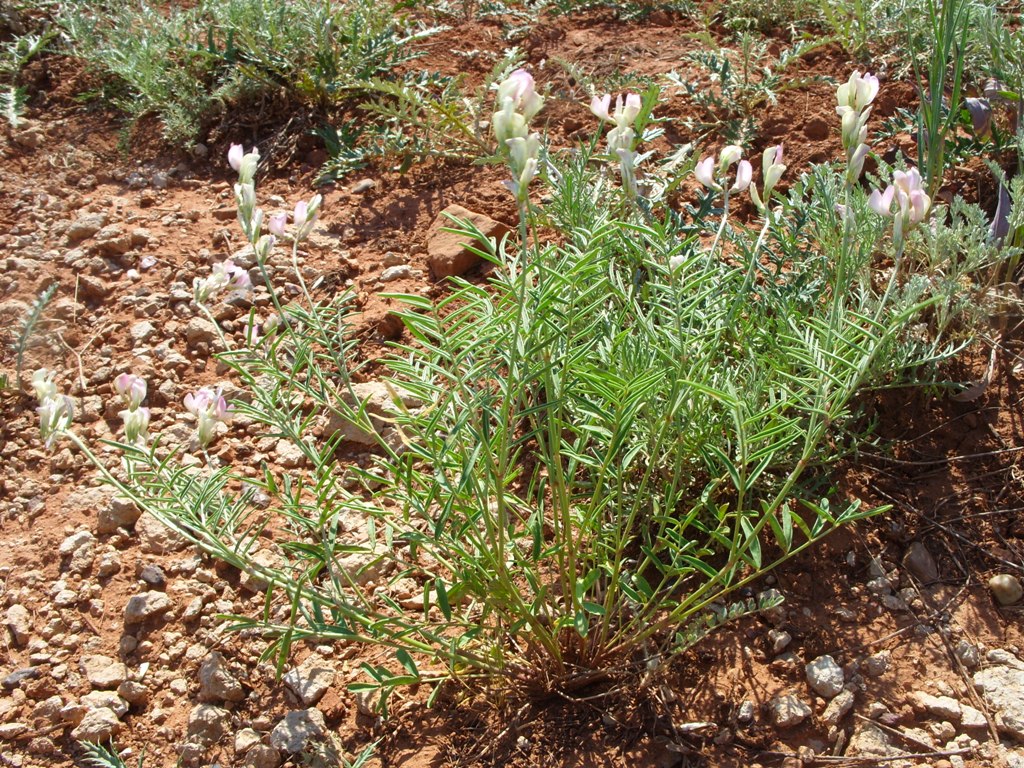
(75, 542)
(448, 253)
(868, 740)
(105, 700)
(102, 671)
(155, 538)
(19, 624)
(944, 707)
(1002, 687)
(97, 725)
(85, 226)
(11, 731)
(145, 606)
(971, 717)
(207, 724)
(838, 708)
(246, 739)
(262, 756)
(216, 683)
(788, 711)
(825, 677)
(200, 330)
(310, 680)
(297, 729)
(379, 401)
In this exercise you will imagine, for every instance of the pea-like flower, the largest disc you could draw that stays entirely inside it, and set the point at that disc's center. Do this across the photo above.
(223, 275)
(728, 157)
(705, 170)
(912, 203)
(772, 169)
(621, 137)
(705, 173)
(210, 409)
(305, 216)
(55, 415)
(136, 424)
(56, 411)
(520, 89)
(245, 163)
(524, 157)
(43, 385)
(627, 108)
(131, 388)
(278, 225)
(857, 93)
(518, 102)
(744, 173)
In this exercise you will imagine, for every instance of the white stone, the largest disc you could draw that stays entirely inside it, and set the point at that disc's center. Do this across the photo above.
(788, 711)
(310, 680)
(838, 708)
(1002, 687)
(297, 729)
(102, 671)
(207, 724)
(825, 677)
(216, 683)
(944, 707)
(19, 622)
(97, 725)
(156, 538)
(145, 606)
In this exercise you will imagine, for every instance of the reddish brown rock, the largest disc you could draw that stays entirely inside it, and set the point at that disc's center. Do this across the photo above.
(447, 252)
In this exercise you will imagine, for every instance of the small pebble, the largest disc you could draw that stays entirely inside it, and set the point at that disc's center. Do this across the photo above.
(1006, 589)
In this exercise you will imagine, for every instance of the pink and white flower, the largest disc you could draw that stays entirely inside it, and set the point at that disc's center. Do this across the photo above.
(210, 409)
(912, 202)
(131, 388)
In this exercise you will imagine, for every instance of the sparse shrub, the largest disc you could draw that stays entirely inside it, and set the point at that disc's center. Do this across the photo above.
(183, 64)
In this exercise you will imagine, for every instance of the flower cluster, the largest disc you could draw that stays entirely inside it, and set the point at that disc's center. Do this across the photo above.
(210, 409)
(56, 411)
(912, 203)
(706, 172)
(622, 135)
(223, 275)
(132, 390)
(303, 218)
(855, 97)
(518, 102)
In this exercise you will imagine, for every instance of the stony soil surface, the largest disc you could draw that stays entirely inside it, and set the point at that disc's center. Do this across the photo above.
(890, 648)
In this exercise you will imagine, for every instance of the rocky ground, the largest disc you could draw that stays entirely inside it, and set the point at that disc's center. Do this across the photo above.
(890, 649)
